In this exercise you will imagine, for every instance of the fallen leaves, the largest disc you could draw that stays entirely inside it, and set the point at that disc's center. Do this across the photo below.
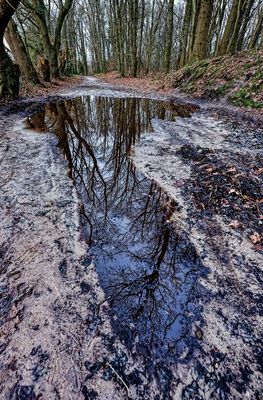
(255, 238)
(235, 224)
(231, 169)
(258, 171)
(234, 191)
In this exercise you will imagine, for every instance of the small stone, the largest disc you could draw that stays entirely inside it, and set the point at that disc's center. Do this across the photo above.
(199, 333)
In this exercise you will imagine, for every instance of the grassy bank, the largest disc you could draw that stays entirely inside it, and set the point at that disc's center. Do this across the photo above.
(238, 78)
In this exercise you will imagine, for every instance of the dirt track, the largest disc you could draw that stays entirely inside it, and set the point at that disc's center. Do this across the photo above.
(55, 344)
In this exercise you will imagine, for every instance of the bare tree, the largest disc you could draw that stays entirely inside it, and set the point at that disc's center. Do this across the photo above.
(40, 13)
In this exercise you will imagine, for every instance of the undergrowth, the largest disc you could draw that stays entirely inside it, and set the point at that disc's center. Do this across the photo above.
(237, 77)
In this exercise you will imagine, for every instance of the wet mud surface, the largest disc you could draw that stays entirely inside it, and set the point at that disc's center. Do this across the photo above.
(132, 268)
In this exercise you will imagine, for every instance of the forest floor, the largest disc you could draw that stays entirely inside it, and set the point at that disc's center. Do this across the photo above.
(45, 89)
(55, 343)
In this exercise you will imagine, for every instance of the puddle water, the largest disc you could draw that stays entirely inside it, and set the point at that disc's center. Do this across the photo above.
(148, 271)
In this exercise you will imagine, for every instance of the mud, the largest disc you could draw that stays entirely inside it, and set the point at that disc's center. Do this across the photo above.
(129, 269)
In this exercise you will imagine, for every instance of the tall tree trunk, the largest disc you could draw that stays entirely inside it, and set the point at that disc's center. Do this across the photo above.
(120, 38)
(155, 23)
(230, 26)
(257, 31)
(202, 30)
(195, 19)
(9, 72)
(49, 49)
(245, 17)
(83, 49)
(231, 47)
(169, 36)
(133, 25)
(150, 38)
(221, 14)
(20, 53)
(141, 35)
(185, 34)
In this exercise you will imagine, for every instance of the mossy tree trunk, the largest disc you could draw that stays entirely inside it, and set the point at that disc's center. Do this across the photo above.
(196, 4)
(240, 18)
(20, 53)
(9, 72)
(202, 30)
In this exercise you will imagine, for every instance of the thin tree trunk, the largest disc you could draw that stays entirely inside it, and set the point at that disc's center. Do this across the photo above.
(245, 17)
(133, 23)
(141, 36)
(184, 40)
(231, 47)
(229, 29)
(257, 31)
(169, 37)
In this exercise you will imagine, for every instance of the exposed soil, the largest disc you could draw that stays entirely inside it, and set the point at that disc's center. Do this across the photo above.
(197, 193)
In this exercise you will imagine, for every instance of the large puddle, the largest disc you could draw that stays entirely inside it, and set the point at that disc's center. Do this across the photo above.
(148, 271)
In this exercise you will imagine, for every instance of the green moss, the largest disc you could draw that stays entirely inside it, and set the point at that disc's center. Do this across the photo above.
(222, 76)
(255, 87)
(214, 92)
(243, 98)
(210, 82)
(190, 87)
(222, 90)
(259, 75)
(215, 72)
(198, 72)
(247, 66)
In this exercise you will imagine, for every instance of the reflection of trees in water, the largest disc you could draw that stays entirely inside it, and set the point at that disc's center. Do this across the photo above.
(107, 127)
(154, 277)
(146, 269)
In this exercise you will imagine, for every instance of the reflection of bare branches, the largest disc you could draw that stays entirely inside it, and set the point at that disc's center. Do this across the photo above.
(146, 297)
(149, 297)
(84, 214)
(123, 210)
(62, 123)
(81, 140)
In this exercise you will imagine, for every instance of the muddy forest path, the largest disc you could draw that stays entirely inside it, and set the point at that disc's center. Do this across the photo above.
(131, 255)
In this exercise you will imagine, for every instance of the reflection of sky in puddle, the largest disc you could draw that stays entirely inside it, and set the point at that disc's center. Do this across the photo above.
(147, 270)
